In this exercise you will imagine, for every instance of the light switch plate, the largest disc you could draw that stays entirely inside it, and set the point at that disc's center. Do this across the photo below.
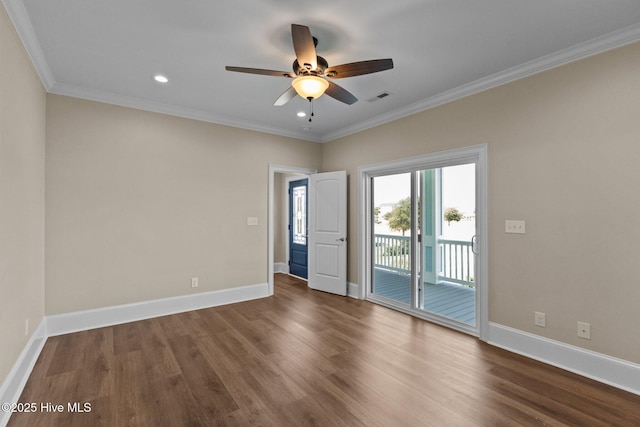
(514, 226)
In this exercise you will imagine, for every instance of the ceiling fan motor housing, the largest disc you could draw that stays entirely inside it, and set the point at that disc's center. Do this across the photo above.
(301, 70)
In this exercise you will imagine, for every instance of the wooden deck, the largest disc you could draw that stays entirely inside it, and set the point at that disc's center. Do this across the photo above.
(448, 300)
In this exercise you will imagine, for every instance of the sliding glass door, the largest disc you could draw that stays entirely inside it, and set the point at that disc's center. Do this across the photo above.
(423, 241)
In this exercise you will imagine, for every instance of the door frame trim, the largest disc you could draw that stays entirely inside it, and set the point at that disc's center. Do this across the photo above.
(475, 153)
(273, 169)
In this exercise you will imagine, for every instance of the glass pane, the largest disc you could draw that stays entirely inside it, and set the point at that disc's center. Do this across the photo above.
(448, 280)
(300, 215)
(392, 237)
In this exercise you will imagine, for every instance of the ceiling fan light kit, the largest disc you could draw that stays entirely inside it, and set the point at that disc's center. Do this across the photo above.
(310, 87)
(309, 78)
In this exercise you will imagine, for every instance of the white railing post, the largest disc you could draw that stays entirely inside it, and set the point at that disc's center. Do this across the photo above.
(458, 262)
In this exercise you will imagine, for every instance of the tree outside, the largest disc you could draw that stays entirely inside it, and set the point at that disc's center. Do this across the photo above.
(452, 214)
(399, 218)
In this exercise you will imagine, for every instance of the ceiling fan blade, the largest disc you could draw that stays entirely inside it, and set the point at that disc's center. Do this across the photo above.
(340, 93)
(304, 46)
(359, 68)
(287, 96)
(260, 71)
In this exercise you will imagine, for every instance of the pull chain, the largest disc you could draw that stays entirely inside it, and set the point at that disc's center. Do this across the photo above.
(310, 108)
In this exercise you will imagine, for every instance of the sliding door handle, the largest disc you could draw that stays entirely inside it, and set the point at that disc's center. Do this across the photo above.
(474, 242)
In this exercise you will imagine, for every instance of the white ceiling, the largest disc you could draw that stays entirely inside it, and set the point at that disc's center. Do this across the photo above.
(108, 50)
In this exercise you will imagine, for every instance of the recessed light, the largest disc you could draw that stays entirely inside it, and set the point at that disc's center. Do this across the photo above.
(160, 78)
(302, 114)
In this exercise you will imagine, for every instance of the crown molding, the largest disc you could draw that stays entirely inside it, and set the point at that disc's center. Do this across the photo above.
(20, 19)
(589, 48)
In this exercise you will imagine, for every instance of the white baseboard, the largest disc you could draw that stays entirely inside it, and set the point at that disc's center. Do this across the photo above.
(12, 387)
(353, 290)
(600, 367)
(280, 267)
(90, 319)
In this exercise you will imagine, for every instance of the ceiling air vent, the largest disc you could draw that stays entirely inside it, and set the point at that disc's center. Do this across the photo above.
(380, 96)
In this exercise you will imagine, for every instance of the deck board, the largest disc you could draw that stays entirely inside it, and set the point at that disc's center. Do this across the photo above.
(448, 300)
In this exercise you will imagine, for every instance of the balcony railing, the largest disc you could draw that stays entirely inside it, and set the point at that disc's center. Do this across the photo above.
(456, 258)
(392, 253)
(457, 262)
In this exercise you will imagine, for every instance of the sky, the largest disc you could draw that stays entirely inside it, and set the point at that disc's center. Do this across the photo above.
(458, 184)
(458, 191)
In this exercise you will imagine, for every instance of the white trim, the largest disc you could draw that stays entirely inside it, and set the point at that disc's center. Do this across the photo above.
(583, 50)
(281, 267)
(482, 230)
(273, 169)
(101, 317)
(22, 23)
(353, 290)
(600, 367)
(476, 154)
(14, 383)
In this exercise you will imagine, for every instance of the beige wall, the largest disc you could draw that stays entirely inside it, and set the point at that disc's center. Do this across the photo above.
(138, 203)
(22, 148)
(564, 155)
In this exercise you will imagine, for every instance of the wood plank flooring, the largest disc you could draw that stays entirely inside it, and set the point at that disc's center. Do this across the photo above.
(305, 357)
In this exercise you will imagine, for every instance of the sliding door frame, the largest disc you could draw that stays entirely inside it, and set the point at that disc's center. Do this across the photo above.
(475, 154)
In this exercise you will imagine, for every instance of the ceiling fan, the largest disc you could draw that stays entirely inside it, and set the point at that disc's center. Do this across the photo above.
(311, 73)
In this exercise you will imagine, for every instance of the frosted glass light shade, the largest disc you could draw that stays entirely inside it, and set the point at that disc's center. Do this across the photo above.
(310, 86)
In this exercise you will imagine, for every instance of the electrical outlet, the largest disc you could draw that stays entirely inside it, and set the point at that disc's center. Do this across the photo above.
(584, 330)
(540, 319)
(194, 282)
(514, 226)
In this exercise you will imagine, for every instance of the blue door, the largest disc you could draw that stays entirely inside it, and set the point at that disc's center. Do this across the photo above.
(298, 227)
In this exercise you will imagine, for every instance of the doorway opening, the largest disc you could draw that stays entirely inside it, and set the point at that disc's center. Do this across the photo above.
(423, 237)
(326, 233)
(278, 236)
(298, 224)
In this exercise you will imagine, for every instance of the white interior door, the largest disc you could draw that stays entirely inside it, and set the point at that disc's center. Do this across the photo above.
(328, 232)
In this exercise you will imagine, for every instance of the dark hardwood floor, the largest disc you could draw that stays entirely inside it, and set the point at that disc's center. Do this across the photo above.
(305, 357)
